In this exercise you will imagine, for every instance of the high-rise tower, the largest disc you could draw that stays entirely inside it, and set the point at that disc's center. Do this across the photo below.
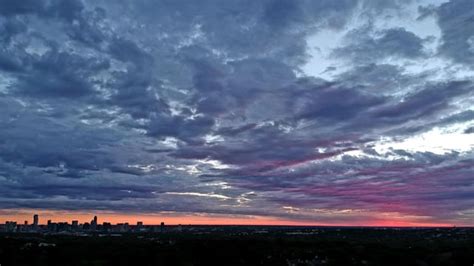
(35, 220)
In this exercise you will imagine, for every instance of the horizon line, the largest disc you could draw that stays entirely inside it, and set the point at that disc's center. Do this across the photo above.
(85, 216)
(261, 225)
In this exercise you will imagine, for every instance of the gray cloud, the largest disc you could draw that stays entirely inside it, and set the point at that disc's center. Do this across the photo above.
(151, 106)
(393, 42)
(457, 41)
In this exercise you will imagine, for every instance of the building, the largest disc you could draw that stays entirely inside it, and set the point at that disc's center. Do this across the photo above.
(106, 227)
(35, 220)
(75, 225)
(162, 227)
(94, 223)
(10, 226)
(139, 227)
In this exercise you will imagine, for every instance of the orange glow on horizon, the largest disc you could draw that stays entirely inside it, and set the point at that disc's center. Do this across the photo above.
(189, 219)
(147, 219)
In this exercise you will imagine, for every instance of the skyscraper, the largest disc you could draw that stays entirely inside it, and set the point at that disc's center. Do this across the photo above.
(35, 220)
(94, 221)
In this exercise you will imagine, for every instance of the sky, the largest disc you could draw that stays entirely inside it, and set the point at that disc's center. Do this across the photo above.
(318, 112)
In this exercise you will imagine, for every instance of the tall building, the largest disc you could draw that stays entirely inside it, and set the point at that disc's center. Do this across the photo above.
(94, 223)
(162, 227)
(10, 226)
(139, 227)
(35, 220)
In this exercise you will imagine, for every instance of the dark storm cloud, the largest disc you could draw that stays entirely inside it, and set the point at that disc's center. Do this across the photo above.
(459, 117)
(36, 140)
(379, 77)
(455, 18)
(434, 98)
(128, 51)
(203, 106)
(331, 102)
(77, 23)
(463, 117)
(180, 127)
(9, 64)
(10, 28)
(55, 9)
(220, 89)
(397, 42)
(12, 7)
(379, 6)
(57, 74)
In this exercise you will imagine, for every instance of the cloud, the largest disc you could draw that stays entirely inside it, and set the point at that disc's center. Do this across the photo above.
(453, 19)
(364, 47)
(11, 7)
(203, 107)
(57, 74)
(434, 98)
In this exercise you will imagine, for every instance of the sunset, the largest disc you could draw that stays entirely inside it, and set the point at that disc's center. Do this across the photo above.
(317, 113)
(385, 219)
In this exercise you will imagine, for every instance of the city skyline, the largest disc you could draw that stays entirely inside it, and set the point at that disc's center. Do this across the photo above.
(76, 227)
(268, 112)
(192, 220)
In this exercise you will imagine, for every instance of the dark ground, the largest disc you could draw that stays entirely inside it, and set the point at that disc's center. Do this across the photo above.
(246, 246)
